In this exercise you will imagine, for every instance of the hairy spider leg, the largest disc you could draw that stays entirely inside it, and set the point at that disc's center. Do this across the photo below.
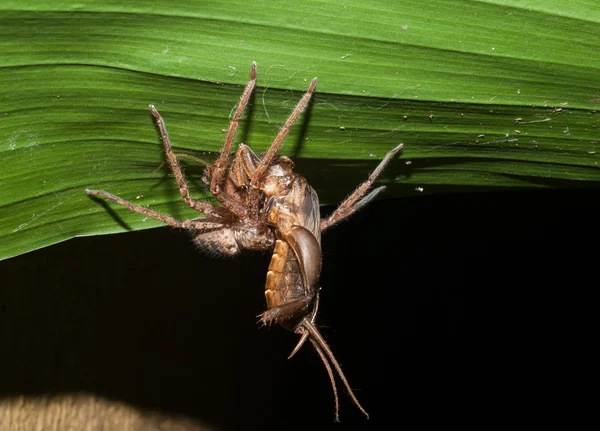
(270, 154)
(243, 164)
(202, 207)
(254, 198)
(218, 172)
(186, 224)
(218, 169)
(352, 203)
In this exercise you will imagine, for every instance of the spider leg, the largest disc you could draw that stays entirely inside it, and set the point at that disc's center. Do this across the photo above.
(202, 207)
(241, 170)
(268, 158)
(232, 194)
(186, 224)
(254, 198)
(218, 169)
(243, 165)
(354, 201)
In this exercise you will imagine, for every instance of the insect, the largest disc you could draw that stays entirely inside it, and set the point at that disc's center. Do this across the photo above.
(265, 205)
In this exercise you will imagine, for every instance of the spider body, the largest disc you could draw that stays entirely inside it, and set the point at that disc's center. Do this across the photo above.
(266, 205)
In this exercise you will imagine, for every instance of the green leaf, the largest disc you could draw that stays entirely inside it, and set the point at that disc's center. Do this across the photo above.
(484, 95)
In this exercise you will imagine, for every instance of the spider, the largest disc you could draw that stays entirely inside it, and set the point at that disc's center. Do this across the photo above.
(265, 205)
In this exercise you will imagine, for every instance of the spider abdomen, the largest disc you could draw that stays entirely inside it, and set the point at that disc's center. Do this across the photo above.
(224, 241)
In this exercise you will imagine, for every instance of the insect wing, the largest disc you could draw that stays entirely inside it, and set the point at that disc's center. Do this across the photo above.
(312, 213)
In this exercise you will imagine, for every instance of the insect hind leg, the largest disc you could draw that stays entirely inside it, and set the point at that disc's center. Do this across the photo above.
(286, 311)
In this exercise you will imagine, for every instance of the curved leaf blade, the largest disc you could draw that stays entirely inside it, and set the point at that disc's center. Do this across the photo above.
(484, 94)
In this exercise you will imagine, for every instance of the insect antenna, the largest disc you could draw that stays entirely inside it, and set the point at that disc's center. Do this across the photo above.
(327, 357)
(181, 156)
(194, 158)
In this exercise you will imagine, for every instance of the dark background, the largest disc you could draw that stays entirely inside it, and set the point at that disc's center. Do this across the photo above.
(436, 306)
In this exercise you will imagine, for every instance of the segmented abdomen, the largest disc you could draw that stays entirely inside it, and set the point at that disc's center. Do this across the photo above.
(283, 276)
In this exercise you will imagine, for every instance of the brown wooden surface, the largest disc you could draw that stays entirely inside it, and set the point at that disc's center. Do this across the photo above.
(84, 412)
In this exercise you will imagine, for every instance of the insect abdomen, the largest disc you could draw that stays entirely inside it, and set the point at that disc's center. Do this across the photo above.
(276, 274)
